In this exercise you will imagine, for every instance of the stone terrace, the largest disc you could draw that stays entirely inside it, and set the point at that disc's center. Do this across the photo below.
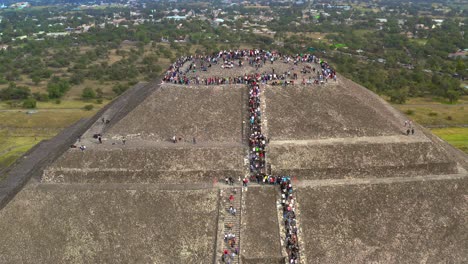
(342, 130)
(104, 224)
(421, 221)
(211, 115)
(359, 159)
(330, 111)
(206, 113)
(177, 163)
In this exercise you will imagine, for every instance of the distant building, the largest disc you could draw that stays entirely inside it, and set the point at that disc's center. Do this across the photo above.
(20, 5)
(177, 17)
(421, 26)
(57, 34)
(438, 22)
(21, 37)
(381, 20)
(459, 54)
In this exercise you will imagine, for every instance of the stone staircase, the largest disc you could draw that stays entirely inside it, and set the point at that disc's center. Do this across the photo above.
(232, 224)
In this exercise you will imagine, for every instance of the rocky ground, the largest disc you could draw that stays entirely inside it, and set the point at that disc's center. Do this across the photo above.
(402, 222)
(260, 225)
(206, 113)
(56, 224)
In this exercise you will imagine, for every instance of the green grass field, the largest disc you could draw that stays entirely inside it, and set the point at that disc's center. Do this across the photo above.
(457, 136)
(435, 111)
(11, 148)
(20, 131)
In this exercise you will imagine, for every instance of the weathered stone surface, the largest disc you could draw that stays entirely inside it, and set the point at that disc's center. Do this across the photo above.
(147, 165)
(55, 224)
(360, 160)
(260, 238)
(134, 176)
(411, 222)
(312, 112)
(153, 159)
(206, 113)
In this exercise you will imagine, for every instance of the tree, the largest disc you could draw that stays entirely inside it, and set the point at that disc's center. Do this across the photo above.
(460, 68)
(88, 93)
(57, 87)
(41, 97)
(452, 95)
(36, 80)
(77, 77)
(13, 92)
(399, 96)
(29, 103)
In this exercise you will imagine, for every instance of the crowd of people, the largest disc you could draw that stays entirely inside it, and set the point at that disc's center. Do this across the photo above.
(178, 74)
(257, 141)
(257, 144)
(231, 250)
(289, 214)
(289, 218)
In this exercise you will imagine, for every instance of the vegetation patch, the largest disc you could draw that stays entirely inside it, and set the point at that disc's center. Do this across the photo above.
(20, 131)
(456, 136)
(436, 114)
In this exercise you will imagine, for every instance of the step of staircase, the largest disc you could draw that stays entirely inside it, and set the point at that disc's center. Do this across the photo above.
(231, 222)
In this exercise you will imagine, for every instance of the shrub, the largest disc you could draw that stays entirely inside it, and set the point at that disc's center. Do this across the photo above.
(13, 92)
(41, 97)
(449, 118)
(57, 87)
(119, 89)
(29, 103)
(432, 114)
(88, 93)
(58, 101)
(409, 112)
(99, 101)
(14, 104)
(88, 107)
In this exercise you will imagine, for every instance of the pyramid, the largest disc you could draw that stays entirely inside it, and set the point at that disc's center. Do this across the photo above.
(364, 190)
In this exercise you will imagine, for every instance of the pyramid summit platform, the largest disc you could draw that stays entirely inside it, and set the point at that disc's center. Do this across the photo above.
(155, 191)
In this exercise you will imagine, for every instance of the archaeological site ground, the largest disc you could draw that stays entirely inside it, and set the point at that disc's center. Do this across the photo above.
(364, 191)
